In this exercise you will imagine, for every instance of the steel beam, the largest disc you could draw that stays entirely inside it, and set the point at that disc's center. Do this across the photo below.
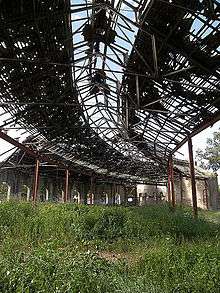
(205, 124)
(17, 144)
(193, 179)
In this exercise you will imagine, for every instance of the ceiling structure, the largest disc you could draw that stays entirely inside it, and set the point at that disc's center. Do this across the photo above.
(113, 87)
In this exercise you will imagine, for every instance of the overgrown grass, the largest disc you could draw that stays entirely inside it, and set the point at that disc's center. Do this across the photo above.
(73, 248)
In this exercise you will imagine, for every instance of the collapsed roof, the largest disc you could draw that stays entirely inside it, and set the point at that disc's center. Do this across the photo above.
(115, 86)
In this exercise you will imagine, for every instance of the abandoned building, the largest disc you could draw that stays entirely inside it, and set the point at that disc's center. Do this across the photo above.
(208, 195)
(16, 183)
(97, 98)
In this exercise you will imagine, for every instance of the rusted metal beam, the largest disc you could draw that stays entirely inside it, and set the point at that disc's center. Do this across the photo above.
(28, 150)
(205, 124)
(193, 179)
(36, 181)
(66, 190)
(19, 145)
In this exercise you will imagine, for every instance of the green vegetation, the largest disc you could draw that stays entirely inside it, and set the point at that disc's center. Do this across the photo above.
(210, 157)
(70, 248)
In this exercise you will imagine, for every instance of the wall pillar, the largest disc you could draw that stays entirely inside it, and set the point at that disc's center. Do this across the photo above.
(78, 198)
(62, 195)
(66, 188)
(113, 193)
(28, 193)
(85, 191)
(36, 181)
(206, 194)
(141, 199)
(125, 195)
(181, 188)
(135, 195)
(106, 198)
(8, 192)
(46, 194)
(119, 199)
(92, 190)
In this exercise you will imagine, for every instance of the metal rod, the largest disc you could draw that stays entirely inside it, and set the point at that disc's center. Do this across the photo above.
(36, 181)
(193, 180)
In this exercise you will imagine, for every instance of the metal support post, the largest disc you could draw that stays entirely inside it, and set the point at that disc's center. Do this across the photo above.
(193, 180)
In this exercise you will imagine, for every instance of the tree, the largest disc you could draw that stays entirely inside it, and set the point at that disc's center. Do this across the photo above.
(210, 157)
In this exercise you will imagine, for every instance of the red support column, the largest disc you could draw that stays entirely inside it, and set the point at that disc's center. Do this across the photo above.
(193, 180)
(172, 183)
(66, 186)
(36, 181)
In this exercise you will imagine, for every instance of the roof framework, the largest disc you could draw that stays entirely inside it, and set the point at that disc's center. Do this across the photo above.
(114, 87)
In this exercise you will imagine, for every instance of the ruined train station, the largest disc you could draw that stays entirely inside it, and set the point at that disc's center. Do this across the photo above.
(98, 96)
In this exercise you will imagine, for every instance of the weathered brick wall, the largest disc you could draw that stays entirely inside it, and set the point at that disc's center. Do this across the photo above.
(206, 189)
(186, 196)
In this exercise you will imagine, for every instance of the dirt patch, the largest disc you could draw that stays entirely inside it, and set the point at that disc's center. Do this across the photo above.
(114, 256)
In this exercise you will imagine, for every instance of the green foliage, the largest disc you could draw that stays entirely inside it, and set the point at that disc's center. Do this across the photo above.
(73, 248)
(187, 268)
(210, 158)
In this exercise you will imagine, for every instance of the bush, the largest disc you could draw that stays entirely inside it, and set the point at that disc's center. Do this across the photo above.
(74, 248)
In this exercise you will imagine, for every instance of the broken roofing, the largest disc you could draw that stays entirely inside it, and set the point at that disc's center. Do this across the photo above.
(117, 84)
(184, 167)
